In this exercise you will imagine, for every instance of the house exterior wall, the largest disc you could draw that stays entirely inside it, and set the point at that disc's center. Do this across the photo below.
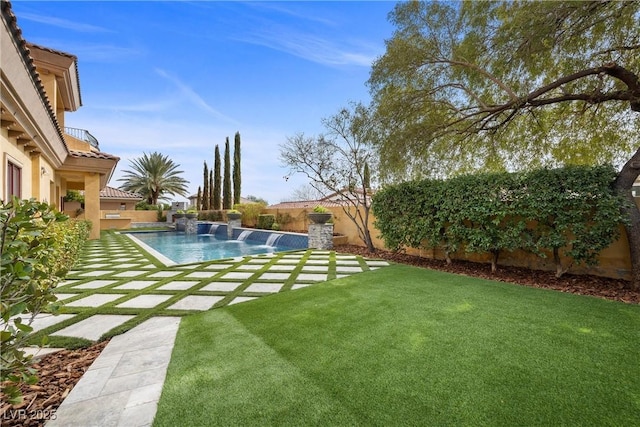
(12, 153)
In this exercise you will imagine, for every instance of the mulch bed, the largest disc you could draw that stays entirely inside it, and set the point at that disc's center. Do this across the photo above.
(602, 287)
(59, 372)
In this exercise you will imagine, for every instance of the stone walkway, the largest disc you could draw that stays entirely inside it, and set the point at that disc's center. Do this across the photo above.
(118, 290)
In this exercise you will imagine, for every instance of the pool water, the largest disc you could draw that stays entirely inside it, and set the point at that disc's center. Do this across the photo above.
(185, 248)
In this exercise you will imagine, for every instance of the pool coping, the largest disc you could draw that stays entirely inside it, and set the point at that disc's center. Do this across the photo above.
(154, 253)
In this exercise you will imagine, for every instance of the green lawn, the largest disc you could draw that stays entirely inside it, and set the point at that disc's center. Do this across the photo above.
(408, 346)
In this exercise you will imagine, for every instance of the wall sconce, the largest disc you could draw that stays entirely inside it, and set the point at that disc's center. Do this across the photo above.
(43, 171)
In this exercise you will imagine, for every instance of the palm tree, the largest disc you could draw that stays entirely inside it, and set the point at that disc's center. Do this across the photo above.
(154, 176)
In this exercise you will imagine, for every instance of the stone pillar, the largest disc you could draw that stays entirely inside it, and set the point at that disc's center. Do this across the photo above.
(191, 226)
(231, 224)
(321, 236)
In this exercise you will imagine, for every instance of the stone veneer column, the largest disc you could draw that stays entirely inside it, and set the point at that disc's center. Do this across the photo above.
(191, 226)
(231, 224)
(321, 236)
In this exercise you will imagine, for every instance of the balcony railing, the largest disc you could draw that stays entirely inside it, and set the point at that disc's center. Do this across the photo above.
(83, 135)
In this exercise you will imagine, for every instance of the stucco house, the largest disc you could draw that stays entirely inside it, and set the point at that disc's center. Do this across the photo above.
(40, 157)
(111, 199)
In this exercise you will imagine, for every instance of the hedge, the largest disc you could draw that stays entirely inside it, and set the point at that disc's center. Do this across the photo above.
(39, 246)
(572, 212)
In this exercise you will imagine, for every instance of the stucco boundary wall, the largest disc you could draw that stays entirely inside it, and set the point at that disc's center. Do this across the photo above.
(120, 219)
(613, 262)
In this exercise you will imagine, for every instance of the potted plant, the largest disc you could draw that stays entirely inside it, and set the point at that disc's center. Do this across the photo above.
(192, 214)
(179, 214)
(320, 215)
(234, 214)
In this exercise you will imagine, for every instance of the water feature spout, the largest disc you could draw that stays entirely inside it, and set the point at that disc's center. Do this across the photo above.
(273, 238)
(244, 235)
(213, 228)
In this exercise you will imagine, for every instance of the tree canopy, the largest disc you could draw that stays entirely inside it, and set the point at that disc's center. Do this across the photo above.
(154, 176)
(508, 85)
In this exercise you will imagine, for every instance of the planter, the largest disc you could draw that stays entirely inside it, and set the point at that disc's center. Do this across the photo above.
(178, 215)
(319, 218)
(192, 215)
(234, 216)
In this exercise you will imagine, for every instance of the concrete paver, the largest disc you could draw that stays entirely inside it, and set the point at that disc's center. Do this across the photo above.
(137, 284)
(94, 327)
(94, 300)
(268, 288)
(123, 386)
(196, 302)
(144, 301)
(221, 286)
(178, 285)
(95, 284)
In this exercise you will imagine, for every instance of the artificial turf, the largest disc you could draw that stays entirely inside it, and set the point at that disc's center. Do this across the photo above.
(407, 346)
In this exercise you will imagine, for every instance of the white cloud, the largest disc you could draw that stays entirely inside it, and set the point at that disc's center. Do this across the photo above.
(312, 48)
(193, 97)
(63, 23)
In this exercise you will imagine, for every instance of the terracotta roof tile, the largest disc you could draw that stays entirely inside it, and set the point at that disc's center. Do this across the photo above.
(93, 155)
(115, 193)
(310, 204)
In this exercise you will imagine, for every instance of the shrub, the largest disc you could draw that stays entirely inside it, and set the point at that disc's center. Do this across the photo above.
(210, 215)
(266, 221)
(38, 249)
(571, 211)
(250, 212)
(161, 217)
(284, 219)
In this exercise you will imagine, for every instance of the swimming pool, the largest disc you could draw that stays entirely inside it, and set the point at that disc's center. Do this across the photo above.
(211, 243)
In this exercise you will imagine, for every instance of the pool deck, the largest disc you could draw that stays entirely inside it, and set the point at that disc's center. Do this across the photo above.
(117, 286)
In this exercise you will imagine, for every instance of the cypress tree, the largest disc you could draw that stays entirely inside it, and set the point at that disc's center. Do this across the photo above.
(199, 199)
(216, 180)
(211, 190)
(226, 183)
(205, 191)
(236, 169)
(366, 177)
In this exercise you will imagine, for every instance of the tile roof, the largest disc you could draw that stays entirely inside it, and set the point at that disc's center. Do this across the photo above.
(306, 204)
(115, 193)
(74, 58)
(93, 155)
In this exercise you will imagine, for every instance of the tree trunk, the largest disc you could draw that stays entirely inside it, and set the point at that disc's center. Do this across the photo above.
(623, 183)
(495, 254)
(558, 262)
(368, 241)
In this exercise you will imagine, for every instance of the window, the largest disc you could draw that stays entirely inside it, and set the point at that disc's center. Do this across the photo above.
(14, 180)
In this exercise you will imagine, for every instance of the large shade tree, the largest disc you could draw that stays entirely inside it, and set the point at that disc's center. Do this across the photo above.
(512, 85)
(154, 176)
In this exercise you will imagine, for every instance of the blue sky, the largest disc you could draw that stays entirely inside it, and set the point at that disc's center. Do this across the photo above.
(180, 77)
